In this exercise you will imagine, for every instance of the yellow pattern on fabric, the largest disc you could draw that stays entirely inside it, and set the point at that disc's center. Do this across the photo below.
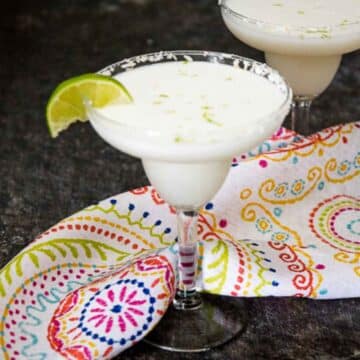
(112, 210)
(268, 186)
(260, 272)
(53, 249)
(349, 258)
(222, 261)
(332, 166)
(245, 194)
(248, 213)
(227, 237)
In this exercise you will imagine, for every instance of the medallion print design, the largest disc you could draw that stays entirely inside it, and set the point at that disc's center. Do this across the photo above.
(103, 236)
(336, 222)
(109, 315)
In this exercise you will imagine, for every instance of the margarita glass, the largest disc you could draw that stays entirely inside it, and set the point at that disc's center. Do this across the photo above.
(192, 112)
(302, 39)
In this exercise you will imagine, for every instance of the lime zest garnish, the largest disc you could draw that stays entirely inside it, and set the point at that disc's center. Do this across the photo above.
(207, 117)
(323, 33)
(178, 139)
(187, 59)
(317, 31)
(325, 36)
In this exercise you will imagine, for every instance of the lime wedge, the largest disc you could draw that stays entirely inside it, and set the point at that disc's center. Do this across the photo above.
(66, 103)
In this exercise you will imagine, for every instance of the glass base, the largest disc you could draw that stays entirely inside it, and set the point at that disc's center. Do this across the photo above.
(215, 322)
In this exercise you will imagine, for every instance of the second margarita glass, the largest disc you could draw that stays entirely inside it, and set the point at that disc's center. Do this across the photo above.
(304, 40)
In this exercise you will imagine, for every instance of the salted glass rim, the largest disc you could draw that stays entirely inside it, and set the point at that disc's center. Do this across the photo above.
(310, 31)
(256, 67)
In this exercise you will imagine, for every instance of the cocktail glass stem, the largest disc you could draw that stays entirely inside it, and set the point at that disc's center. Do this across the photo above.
(300, 115)
(195, 323)
(187, 297)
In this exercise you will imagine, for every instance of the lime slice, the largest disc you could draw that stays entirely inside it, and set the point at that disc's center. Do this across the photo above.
(66, 103)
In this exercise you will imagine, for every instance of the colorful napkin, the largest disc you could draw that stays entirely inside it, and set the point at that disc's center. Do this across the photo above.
(285, 223)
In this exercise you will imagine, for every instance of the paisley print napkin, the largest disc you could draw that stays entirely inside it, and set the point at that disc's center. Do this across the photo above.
(285, 223)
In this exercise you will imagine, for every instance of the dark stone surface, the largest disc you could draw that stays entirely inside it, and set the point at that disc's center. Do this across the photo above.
(44, 180)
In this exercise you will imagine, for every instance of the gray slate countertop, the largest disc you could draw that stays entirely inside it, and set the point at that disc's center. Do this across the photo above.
(44, 180)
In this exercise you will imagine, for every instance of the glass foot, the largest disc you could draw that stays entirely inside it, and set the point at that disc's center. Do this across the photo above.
(215, 322)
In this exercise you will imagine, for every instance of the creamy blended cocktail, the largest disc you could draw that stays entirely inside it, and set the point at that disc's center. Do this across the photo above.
(303, 39)
(188, 119)
(191, 112)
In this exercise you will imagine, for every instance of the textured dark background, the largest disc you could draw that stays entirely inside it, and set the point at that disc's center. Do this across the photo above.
(44, 180)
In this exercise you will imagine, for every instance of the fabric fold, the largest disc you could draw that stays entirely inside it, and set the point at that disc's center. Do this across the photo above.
(285, 223)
